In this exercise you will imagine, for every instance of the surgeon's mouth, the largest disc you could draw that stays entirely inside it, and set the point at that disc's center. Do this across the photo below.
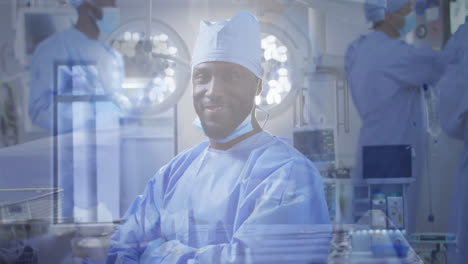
(215, 108)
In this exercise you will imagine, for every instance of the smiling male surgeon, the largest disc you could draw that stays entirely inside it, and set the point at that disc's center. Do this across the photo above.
(244, 196)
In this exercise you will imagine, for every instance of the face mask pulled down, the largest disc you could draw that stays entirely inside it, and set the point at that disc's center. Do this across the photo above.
(242, 129)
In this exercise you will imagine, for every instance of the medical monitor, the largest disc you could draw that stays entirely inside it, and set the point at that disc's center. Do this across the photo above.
(386, 161)
(318, 145)
(36, 24)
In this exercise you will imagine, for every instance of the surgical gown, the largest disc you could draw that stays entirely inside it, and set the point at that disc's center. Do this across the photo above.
(385, 78)
(453, 88)
(69, 63)
(259, 202)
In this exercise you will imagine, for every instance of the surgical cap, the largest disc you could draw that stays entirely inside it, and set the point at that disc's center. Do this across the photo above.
(375, 10)
(78, 3)
(236, 41)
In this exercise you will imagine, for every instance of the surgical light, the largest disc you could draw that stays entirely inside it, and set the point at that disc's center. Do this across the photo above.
(277, 98)
(163, 37)
(269, 98)
(283, 72)
(153, 94)
(282, 49)
(156, 63)
(127, 36)
(172, 50)
(135, 36)
(157, 80)
(170, 84)
(275, 66)
(160, 98)
(272, 83)
(271, 39)
(169, 72)
(258, 100)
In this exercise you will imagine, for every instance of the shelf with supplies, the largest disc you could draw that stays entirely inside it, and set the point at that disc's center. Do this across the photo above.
(391, 200)
(384, 199)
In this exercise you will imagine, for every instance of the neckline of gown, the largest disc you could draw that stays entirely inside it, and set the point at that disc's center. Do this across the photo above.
(250, 143)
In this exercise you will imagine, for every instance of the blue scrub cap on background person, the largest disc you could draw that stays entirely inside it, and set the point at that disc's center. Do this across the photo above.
(236, 40)
(395, 5)
(375, 10)
(78, 3)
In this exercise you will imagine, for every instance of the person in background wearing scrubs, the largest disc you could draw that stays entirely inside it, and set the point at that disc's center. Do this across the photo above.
(385, 76)
(75, 46)
(453, 103)
(87, 67)
(244, 196)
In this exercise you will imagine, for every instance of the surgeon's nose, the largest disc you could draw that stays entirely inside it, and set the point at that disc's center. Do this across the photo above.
(215, 88)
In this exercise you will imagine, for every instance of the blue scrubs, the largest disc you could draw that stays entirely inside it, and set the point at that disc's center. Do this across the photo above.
(260, 200)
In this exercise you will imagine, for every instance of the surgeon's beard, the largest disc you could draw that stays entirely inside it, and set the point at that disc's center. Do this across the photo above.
(222, 132)
(217, 132)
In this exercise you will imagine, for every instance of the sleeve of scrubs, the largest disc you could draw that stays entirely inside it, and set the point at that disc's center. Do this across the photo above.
(458, 40)
(416, 66)
(270, 218)
(453, 88)
(41, 89)
(141, 227)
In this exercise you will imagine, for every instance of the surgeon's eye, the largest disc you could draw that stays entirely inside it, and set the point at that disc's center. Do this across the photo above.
(231, 77)
(200, 78)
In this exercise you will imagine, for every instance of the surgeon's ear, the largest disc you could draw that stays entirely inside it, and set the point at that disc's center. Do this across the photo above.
(259, 87)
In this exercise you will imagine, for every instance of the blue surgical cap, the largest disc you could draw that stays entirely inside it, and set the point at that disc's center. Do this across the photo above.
(236, 41)
(395, 5)
(375, 10)
(78, 3)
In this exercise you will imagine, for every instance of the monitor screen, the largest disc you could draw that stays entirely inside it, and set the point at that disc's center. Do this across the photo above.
(38, 24)
(317, 145)
(387, 161)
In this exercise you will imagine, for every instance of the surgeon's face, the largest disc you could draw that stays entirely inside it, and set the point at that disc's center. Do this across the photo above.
(398, 17)
(223, 96)
(94, 7)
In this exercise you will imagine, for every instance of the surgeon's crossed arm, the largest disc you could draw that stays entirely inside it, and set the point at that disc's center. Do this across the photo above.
(141, 227)
(281, 219)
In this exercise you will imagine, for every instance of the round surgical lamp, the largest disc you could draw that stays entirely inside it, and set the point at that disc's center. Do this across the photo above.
(157, 64)
(281, 69)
